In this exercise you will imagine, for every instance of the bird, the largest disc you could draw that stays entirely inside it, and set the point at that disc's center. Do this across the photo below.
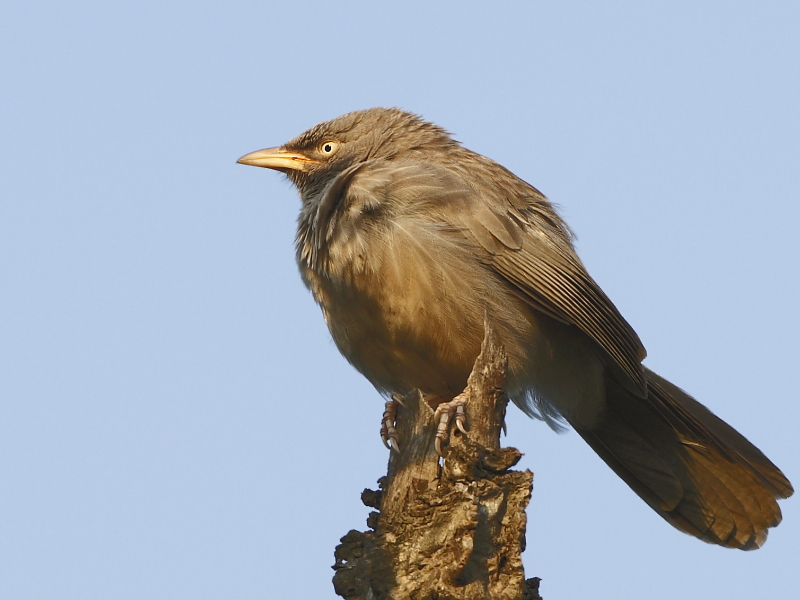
(410, 243)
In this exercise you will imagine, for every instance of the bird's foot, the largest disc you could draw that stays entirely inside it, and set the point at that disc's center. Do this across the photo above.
(388, 431)
(447, 412)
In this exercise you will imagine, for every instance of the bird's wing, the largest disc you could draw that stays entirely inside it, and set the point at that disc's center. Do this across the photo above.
(524, 239)
(550, 273)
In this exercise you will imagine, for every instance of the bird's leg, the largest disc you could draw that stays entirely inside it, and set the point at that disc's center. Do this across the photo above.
(445, 413)
(388, 431)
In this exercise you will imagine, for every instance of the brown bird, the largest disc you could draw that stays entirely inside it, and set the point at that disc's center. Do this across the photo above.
(408, 241)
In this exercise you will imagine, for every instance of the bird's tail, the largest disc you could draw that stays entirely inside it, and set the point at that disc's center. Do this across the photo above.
(690, 466)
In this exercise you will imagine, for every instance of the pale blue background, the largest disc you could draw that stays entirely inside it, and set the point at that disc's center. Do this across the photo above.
(176, 423)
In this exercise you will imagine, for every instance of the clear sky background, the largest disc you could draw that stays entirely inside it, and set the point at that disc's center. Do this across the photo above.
(177, 424)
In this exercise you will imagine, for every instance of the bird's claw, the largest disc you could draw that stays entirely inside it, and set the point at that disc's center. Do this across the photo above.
(447, 412)
(388, 432)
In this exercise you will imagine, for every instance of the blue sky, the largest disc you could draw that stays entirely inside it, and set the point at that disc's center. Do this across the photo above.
(176, 422)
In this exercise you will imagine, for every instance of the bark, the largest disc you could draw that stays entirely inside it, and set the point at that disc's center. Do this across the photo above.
(449, 529)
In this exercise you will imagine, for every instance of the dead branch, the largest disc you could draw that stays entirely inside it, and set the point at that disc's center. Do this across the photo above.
(450, 531)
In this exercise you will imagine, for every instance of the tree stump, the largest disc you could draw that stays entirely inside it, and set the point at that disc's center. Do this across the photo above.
(449, 529)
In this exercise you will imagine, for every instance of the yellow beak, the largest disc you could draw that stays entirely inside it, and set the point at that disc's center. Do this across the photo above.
(278, 158)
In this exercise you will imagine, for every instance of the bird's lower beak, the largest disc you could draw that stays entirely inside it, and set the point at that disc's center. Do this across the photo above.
(278, 158)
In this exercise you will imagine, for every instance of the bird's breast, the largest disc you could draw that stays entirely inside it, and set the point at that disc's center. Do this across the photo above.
(405, 303)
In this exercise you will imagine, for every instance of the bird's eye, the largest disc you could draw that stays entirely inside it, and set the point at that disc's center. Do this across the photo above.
(328, 148)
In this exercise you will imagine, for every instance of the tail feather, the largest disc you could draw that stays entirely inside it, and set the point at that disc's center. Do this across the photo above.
(729, 441)
(691, 467)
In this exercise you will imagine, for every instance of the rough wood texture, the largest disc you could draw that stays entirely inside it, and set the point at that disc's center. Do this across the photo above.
(454, 531)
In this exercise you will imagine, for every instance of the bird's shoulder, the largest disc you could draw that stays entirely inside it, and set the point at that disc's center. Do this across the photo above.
(481, 198)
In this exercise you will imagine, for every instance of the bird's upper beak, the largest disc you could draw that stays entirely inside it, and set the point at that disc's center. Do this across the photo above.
(278, 158)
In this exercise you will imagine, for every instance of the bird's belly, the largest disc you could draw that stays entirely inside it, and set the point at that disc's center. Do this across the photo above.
(400, 343)
(427, 337)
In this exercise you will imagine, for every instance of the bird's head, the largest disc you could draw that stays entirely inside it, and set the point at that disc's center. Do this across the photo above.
(314, 158)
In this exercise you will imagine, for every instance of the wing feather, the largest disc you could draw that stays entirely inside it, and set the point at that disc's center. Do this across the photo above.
(524, 241)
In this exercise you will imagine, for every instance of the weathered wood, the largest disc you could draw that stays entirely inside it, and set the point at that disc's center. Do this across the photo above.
(454, 530)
